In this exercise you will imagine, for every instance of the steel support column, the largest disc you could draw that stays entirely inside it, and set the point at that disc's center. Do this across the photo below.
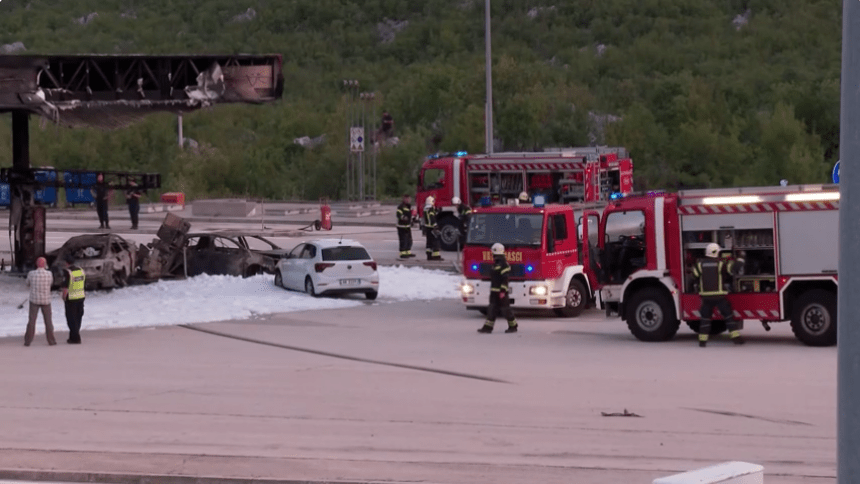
(848, 359)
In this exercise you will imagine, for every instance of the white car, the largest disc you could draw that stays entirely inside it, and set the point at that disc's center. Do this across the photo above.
(329, 266)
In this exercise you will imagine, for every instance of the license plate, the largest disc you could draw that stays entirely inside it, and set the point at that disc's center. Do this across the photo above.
(350, 282)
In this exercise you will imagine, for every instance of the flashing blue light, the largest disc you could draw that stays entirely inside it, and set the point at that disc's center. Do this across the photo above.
(474, 267)
(616, 196)
(460, 153)
(529, 268)
(539, 201)
(486, 202)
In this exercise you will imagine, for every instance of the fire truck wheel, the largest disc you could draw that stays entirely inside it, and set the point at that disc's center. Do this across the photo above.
(574, 300)
(813, 318)
(449, 228)
(651, 315)
(717, 327)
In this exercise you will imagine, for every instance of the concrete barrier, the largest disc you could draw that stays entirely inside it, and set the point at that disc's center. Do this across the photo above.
(224, 208)
(725, 473)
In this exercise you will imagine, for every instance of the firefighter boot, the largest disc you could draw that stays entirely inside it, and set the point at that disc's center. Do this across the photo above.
(703, 340)
(486, 328)
(737, 338)
(512, 327)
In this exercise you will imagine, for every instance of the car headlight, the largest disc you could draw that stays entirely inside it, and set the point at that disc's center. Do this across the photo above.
(467, 289)
(538, 290)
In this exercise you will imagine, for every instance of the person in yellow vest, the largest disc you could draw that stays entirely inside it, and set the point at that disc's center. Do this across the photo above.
(74, 279)
(710, 272)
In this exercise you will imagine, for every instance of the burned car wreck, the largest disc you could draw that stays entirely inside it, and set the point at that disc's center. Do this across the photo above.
(111, 261)
(177, 253)
(107, 259)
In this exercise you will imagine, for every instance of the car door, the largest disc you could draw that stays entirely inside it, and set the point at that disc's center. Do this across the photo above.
(305, 264)
(289, 267)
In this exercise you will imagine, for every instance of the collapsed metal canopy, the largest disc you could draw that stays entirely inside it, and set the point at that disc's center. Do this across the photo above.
(112, 91)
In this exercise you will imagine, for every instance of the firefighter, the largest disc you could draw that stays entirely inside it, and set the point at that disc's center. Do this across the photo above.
(710, 272)
(523, 198)
(404, 226)
(463, 213)
(431, 230)
(499, 301)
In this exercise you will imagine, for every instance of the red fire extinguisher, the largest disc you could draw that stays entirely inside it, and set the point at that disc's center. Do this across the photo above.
(325, 215)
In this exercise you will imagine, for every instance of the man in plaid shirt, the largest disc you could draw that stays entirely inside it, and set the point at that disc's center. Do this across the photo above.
(40, 281)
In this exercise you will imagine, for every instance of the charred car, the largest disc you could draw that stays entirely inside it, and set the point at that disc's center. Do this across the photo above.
(107, 260)
(225, 254)
(178, 253)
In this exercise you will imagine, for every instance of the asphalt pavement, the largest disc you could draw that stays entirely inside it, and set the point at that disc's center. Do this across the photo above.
(404, 392)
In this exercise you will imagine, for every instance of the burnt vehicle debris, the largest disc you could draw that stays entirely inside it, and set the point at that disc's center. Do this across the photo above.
(111, 261)
(178, 253)
(107, 259)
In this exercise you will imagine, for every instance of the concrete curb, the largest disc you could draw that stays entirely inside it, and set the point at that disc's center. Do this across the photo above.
(56, 477)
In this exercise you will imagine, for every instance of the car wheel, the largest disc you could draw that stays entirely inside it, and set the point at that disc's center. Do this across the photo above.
(309, 287)
(279, 279)
(371, 295)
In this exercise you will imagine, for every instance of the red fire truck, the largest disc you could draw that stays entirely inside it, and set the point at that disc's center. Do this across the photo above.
(634, 258)
(562, 176)
(550, 268)
(787, 237)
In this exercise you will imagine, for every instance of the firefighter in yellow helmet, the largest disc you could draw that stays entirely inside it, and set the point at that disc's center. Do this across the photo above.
(74, 280)
(710, 271)
(499, 300)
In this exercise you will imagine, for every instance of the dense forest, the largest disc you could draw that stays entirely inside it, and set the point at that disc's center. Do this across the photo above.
(704, 93)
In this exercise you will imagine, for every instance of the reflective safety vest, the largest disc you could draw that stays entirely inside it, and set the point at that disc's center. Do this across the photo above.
(499, 275)
(76, 284)
(710, 274)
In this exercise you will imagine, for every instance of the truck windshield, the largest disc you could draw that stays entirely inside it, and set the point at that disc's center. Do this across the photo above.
(509, 229)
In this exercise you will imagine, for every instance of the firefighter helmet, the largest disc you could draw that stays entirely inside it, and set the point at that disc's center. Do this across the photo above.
(712, 250)
(456, 201)
(497, 249)
(429, 201)
(524, 197)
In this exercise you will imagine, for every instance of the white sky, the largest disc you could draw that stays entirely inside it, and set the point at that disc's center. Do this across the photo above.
(212, 298)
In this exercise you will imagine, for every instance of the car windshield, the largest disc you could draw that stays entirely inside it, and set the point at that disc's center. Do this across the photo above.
(345, 253)
(510, 229)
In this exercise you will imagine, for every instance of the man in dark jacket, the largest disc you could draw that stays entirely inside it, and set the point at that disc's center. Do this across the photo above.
(404, 226)
(132, 198)
(499, 300)
(102, 193)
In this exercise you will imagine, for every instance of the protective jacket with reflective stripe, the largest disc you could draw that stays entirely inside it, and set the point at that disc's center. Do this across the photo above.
(404, 216)
(430, 218)
(499, 275)
(710, 274)
(77, 277)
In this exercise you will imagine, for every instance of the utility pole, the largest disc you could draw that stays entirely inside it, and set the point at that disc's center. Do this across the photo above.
(488, 113)
(848, 334)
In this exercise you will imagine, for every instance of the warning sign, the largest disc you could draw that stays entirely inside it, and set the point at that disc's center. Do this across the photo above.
(356, 139)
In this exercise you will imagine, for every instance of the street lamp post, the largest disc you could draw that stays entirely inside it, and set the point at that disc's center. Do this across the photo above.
(488, 113)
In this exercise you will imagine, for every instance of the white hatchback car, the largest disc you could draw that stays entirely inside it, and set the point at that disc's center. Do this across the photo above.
(329, 266)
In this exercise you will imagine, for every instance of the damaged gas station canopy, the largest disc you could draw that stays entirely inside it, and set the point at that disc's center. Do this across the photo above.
(114, 91)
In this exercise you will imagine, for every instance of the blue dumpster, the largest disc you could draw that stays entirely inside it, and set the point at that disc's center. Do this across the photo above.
(5, 195)
(46, 195)
(78, 187)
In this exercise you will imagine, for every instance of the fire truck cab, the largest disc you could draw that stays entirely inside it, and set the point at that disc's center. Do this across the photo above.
(787, 238)
(549, 264)
(563, 176)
